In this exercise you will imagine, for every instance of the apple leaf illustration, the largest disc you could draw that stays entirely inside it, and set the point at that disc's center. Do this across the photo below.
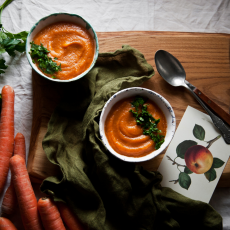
(199, 132)
(217, 163)
(183, 146)
(187, 170)
(184, 180)
(210, 174)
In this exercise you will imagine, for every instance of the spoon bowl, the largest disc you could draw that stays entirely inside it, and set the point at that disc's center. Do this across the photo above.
(170, 68)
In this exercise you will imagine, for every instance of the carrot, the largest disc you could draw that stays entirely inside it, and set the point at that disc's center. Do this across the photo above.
(6, 224)
(69, 217)
(6, 133)
(20, 146)
(25, 195)
(10, 200)
(50, 215)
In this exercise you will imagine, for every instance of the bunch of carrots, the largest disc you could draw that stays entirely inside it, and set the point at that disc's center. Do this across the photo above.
(36, 215)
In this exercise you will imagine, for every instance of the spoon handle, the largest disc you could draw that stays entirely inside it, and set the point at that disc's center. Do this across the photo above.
(224, 128)
(218, 110)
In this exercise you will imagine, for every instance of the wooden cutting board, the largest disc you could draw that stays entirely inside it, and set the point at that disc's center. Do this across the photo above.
(205, 58)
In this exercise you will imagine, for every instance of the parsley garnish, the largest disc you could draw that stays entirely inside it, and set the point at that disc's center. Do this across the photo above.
(137, 102)
(10, 42)
(147, 121)
(39, 54)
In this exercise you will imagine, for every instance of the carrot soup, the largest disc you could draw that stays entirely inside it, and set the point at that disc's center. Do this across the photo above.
(70, 45)
(123, 133)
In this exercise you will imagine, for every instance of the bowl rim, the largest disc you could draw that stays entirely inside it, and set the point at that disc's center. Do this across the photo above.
(150, 155)
(58, 80)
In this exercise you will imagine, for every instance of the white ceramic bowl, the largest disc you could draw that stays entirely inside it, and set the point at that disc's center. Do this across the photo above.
(60, 17)
(159, 100)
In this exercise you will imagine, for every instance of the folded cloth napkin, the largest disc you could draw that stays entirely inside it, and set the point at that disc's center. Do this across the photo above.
(103, 191)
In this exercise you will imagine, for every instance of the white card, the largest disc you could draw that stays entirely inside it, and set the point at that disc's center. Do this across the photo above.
(189, 148)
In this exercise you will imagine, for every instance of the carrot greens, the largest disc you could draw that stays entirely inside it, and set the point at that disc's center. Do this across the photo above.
(147, 121)
(10, 42)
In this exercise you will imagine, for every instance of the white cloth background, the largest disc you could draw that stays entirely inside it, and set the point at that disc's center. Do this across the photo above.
(110, 15)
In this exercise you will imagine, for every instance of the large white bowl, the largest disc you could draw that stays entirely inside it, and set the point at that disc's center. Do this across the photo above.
(159, 100)
(60, 17)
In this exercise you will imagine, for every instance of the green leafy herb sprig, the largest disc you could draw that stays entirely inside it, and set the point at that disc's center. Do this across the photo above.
(147, 121)
(39, 54)
(10, 42)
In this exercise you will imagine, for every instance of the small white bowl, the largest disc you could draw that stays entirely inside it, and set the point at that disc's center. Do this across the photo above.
(60, 17)
(153, 96)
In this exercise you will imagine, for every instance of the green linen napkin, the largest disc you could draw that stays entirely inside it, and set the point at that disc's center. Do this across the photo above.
(103, 191)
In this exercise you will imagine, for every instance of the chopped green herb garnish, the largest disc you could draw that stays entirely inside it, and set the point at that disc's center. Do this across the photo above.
(39, 54)
(138, 102)
(147, 121)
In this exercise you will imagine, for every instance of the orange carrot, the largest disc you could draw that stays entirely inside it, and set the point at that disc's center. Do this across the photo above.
(20, 146)
(50, 215)
(6, 133)
(10, 200)
(25, 195)
(6, 224)
(69, 218)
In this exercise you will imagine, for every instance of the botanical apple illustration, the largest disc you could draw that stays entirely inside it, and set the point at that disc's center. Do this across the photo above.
(198, 159)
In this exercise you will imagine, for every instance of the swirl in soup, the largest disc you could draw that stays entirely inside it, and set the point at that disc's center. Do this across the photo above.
(123, 133)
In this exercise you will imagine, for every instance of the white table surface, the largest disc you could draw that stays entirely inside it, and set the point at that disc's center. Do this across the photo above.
(211, 16)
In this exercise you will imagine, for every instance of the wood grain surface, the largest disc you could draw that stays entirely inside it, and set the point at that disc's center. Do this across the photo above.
(205, 58)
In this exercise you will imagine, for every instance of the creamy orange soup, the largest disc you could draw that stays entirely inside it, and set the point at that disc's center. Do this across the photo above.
(123, 133)
(71, 44)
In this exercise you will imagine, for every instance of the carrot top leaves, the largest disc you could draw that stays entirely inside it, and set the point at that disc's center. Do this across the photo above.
(2, 65)
(10, 42)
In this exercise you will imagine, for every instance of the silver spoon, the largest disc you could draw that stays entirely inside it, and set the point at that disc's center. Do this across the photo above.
(173, 72)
